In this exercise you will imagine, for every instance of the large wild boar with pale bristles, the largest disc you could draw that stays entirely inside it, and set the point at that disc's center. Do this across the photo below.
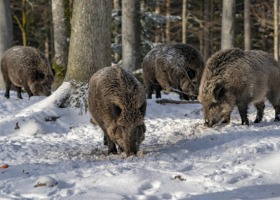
(28, 68)
(235, 77)
(173, 67)
(117, 103)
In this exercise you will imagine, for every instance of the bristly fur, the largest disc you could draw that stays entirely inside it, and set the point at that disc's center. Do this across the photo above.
(234, 77)
(26, 67)
(173, 67)
(117, 103)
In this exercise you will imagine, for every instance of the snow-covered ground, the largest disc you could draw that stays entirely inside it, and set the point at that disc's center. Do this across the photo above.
(56, 153)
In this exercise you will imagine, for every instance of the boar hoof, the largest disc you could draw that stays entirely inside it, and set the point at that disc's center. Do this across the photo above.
(257, 120)
(245, 122)
(112, 149)
(7, 96)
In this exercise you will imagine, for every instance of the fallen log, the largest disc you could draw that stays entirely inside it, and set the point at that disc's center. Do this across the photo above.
(165, 101)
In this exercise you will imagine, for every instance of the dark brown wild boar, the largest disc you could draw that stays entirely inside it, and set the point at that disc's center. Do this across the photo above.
(117, 104)
(26, 67)
(234, 77)
(176, 67)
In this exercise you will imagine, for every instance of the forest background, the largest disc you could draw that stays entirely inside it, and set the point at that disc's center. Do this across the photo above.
(196, 22)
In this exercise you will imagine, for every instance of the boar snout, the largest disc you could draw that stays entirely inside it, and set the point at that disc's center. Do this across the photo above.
(40, 88)
(212, 122)
(134, 139)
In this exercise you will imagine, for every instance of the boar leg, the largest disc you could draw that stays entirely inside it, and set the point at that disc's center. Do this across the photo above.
(158, 89)
(105, 140)
(260, 110)
(111, 145)
(274, 100)
(277, 113)
(7, 93)
(30, 94)
(8, 84)
(18, 89)
(150, 89)
(243, 109)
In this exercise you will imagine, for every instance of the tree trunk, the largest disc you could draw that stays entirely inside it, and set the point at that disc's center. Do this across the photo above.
(167, 28)
(131, 50)
(158, 31)
(211, 28)
(228, 24)
(6, 31)
(90, 41)
(60, 41)
(247, 25)
(116, 4)
(89, 50)
(116, 30)
(276, 22)
(206, 30)
(184, 22)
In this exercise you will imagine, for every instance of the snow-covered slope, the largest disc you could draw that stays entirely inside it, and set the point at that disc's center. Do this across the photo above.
(56, 153)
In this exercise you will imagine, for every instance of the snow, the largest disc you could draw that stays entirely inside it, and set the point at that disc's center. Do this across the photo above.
(59, 149)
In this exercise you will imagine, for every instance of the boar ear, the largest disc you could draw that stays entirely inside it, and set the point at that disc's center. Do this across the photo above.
(219, 92)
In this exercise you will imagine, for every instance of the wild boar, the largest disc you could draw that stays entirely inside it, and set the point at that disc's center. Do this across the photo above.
(27, 67)
(117, 103)
(173, 67)
(235, 77)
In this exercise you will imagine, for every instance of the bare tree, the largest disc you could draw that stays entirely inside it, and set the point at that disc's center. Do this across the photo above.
(158, 31)
(247, 25)
(131, 34)
(167, 28)
(184, 21)
(89, 51)
(6, 31)
(206, 29)
(90, 40)
(60, 40)
(116, 30)
(228, 24)
(22, 22)
(276, 29)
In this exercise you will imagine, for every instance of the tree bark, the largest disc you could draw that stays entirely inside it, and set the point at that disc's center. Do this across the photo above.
(59, 40)
(116, 4)
(6, 31)
(116, 30)
(206, 30)
(247, 25)
(184, 22)
(131, 50)
(158, 31)
(167, 28)
(90, 41)
(276, 29)
(228, 24)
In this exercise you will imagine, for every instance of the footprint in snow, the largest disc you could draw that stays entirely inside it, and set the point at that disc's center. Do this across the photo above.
(150, 188)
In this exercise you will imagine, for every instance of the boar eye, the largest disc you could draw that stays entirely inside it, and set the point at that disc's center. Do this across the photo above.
(116, 110)
(191, 73)
(39, 75)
